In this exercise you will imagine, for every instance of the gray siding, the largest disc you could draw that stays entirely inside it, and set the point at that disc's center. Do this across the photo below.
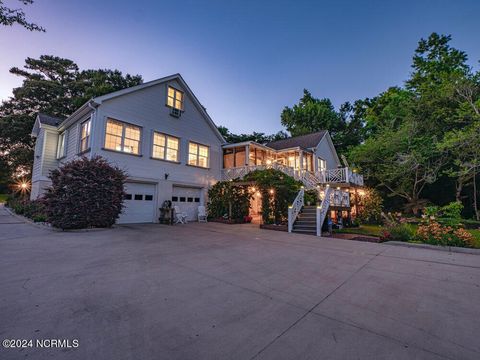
(146, 108)
(324, 151)
(37, 158)
(72, 142)
(50, 161)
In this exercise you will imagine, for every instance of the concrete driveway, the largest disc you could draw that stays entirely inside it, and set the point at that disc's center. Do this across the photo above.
(215, 291)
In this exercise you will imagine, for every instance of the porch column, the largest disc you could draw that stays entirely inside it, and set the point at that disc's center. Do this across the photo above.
(247, 155)
(301, 160)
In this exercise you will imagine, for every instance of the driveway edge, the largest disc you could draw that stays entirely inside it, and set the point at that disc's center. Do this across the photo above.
(435, 247)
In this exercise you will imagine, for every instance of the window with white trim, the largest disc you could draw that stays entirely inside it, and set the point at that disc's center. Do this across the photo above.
(175, 98)
(165, 147)
(198, 155)
(122, 137)
(61, 145)
(85, 135)
(321, 164)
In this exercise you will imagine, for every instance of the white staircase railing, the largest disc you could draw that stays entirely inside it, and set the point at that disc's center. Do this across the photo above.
(322, 210)
(295, 209)
(309, 179)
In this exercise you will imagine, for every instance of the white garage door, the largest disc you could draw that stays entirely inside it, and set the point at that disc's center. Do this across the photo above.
(188, 200)
(139, 204)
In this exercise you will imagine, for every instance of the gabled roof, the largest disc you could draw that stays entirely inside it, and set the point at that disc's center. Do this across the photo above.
(307, 141)
(179, 78)
(49, 120)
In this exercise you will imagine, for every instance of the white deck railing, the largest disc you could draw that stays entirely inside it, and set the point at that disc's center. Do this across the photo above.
(295, 208)
(323, 209)
(310, 179)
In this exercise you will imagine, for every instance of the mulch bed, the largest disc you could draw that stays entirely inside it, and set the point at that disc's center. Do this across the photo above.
(274, 227)
(230, 222)
(356, 237)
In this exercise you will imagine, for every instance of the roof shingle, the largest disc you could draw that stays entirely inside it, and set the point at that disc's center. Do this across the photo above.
(304, 141)
(49, 120)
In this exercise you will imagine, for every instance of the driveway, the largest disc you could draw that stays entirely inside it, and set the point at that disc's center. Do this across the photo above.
(216, 291)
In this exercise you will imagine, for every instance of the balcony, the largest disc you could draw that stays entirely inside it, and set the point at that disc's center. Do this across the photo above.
(310, 179)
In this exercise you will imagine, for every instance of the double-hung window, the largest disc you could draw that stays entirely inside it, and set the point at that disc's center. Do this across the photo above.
(321, 164)
(61, 145)
(85, 135)
(122, 137)
(198, 155)
(175, 98)
(165, 147)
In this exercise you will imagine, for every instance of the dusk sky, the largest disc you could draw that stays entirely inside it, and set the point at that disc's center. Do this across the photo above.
(245, 60)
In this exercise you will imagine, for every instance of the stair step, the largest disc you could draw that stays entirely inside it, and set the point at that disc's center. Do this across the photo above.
(305, 228)
(303, 222)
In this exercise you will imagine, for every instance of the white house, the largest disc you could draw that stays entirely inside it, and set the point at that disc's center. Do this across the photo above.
(170, 148)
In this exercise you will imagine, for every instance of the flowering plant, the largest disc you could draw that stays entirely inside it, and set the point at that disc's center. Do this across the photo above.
(432, 232)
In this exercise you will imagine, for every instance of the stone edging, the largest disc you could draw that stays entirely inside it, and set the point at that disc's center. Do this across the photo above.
(435, 247)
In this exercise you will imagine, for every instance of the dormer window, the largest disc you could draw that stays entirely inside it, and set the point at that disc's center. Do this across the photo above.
(175, 99)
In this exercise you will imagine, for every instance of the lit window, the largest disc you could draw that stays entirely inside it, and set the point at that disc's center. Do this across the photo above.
(198, 155)
(322, 164)
(175, 98)
(165, 147)
(61, 145)
(122, 137)
(85, 135)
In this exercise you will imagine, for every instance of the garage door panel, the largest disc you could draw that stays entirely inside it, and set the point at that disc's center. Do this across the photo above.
(188, 200)
(139, 204)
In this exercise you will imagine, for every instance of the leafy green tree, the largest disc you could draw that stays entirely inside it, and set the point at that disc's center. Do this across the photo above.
(406, 149)
(55, 86)
(464, 146)
(257, 137)
(403, 161)
(9, 17)
(310, 115)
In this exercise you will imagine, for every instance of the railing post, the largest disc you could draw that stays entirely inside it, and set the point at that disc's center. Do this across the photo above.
(319, 226)
(347, 177)
(290, 218)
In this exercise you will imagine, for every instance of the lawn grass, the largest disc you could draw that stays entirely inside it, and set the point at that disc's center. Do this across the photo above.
(369, 230)
(3, 198)
(476, 234)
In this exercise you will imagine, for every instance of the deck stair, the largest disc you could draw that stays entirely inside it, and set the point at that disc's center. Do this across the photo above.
(306, 222)
(309, 219)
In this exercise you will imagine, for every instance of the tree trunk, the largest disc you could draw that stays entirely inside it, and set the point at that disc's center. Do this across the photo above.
(477, 211)
(458, 190)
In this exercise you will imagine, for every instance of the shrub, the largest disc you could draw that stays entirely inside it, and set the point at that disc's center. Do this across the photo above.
(449, 215)
(285, 188)
(436, 234)
(228, 200)
(85, 193)
(33, 209)
(311, 197)
(371, 205)
(398, 232)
